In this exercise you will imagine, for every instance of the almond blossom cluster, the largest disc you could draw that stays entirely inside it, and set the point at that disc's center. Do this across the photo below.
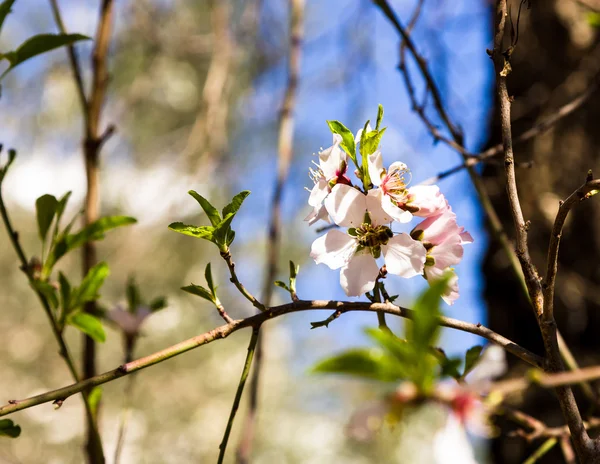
(371, 210)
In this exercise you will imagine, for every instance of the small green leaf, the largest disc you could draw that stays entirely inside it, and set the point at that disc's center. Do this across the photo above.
(90, 285)
(209, 279)
(205, 232)
(593, 18)
(223, 230)
(370, 142)
(449, 365)
(369, 363)
(132, 292)
(210, 210)
(5, 9)
(294, 269)
(60, 209)
(48, 291)
(89, 325)
(236, 203)
(283, 285)
(94, 398)
(158, 303)
(96, 230)
(37, 45)
(199, 291)
(379, 116)
(472, 357)
(9, 429)
(45, 207)
(65, 293)
(348, 144)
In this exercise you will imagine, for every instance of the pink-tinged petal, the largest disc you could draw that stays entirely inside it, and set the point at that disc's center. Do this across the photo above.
(346, 205)
(448, 253)
(428, 199)
(375, 166)
(465, 237)
(404, 256)
(333, 249)
(433, 273)
(398, 214)
(318, 213)
(359, 276)
(398, 166)
(318, 193)
(378, 215)
(437, 229)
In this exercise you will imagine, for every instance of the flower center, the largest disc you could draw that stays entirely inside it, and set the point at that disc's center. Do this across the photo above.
(373, 236)
(394, 185)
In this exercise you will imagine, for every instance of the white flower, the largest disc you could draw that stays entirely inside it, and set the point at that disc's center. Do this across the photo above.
(356, 251)
(451, 445)
(331, 169)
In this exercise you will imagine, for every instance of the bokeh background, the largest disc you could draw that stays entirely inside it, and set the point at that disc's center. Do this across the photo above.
(195, 93)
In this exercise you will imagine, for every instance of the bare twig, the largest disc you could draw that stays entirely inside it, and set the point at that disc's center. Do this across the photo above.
(235, 281)
(238, 393)
(584, 192)
(546, 321)
(285, 153)
(256, 320)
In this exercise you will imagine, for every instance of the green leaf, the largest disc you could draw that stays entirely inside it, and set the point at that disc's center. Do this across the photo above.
(158, 303)
(65, 293)
(472, 358)
(348, 144)
(37, 45)
(379, 116)
(210, 210)
(94, 398)
(132, 292)
(205, 232)
(368, 363)
(96, 230)
(236, 203)
(424, 330)
(199, 291)
(60, 209)
(9, 429)
(371, 141)
(593, 19)
(89, 325)
(45, 207)
(48, 291)
(283, 285)
(294, 269)
(209, 279)
(223, 230)
(88, 290)
(449, 365)
(395, 346)
(5, 9)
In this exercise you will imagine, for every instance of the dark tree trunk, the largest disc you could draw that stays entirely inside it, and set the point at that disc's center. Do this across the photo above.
(557, 57)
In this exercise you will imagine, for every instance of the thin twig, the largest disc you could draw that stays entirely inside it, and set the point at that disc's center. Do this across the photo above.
(541, 451)
(235, 281)
(582, 193)
(238, 394)
(285, 154)
(256, 320)
(546, 321)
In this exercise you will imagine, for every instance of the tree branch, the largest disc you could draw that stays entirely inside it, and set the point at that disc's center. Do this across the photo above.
(254, 321)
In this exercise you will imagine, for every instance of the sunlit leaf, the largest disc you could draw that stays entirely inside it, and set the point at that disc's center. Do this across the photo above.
(89, 325)
(236, 203)
(348, 144)
(472, 357)
(200, 291)
(368, 363)
(210, 210)
(205, 232)
(90, 285)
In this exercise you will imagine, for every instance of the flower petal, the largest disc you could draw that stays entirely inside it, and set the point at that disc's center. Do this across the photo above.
(318, 193)
(334, 249)
(346, 205)
(448, 253)
(437, 229)
(318, 213)
(428, 199)
(359, 276)
(376, 212)
(375, 166)
(451, 294)
(404, 256)
(398, 214)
